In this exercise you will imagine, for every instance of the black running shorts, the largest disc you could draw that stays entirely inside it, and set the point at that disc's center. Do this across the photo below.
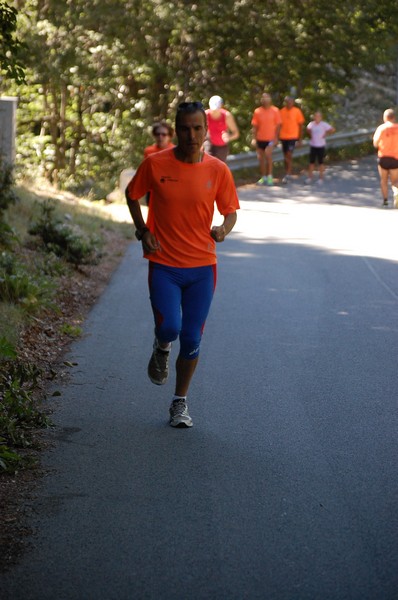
(317, 154)
(288, 145)
(388, 162)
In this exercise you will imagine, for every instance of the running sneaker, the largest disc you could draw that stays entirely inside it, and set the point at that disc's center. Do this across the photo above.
(262, 181)
(270, 180)
(285, 179)
(158, 366)
(179, 416)
(385, 203)
(308, 180)
(320, 182)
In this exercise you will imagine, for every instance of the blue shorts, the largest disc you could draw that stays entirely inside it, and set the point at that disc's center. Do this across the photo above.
(181, 300)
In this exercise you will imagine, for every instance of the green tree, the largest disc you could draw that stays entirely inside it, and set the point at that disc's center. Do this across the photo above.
(100, 72)
(10, 46)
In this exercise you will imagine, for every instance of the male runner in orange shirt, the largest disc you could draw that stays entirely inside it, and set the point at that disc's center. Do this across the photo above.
(266, 123)
(290, 133)
(385, 139)
(179, 243)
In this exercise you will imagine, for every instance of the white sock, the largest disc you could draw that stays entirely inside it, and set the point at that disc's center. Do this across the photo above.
(167, 349)
(175, 398)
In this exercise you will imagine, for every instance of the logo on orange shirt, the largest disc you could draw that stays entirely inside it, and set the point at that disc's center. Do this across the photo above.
(165, 178)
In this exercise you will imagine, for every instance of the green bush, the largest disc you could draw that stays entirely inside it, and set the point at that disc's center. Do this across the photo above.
(64, 239)
(19, 285)
(19, 415)
(7, 194)
(7, 197)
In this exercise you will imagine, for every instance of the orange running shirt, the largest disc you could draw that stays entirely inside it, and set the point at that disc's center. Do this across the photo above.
(154, 148)
(292, 118)
(266, 120)
(182, 206)
(386, 138)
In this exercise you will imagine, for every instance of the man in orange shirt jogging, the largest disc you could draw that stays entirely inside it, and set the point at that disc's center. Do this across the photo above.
(290, 133)
(385, 139)
(179, 243)
(266, 123)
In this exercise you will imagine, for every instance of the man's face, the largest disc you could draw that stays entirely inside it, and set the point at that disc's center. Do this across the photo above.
(191, 129)
(266, 100)
(289, 102)
(317, 117)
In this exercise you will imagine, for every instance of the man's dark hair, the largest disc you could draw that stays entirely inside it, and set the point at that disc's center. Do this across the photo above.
(188, 108)
(164, 125)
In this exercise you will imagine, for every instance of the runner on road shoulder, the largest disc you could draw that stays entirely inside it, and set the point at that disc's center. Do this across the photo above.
(180, 245)
(266, 122)
(290, 133)
(222, 128)
(385, 139)
(318, 130)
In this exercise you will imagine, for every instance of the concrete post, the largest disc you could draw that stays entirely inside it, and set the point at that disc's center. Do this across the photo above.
(8, 111)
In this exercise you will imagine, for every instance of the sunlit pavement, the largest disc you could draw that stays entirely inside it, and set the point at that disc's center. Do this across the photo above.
(286, 487)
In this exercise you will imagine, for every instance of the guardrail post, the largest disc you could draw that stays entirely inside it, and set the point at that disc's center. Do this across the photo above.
(8, 111)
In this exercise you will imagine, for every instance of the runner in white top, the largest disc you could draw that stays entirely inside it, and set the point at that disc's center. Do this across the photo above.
(318, 130)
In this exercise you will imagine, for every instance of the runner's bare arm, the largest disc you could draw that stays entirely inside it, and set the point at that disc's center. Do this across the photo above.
(254, 135)
(277, 130)
(149, 241)
(233, 133)
(300, 137)
(220, 232)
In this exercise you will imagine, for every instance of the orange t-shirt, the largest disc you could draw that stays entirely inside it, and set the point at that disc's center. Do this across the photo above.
(386, 138)
(154, 148)
(266, 120)
(292, 118)
(182, 206)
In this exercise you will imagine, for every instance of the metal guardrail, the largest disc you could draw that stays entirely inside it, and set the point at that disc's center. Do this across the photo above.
(337, 140)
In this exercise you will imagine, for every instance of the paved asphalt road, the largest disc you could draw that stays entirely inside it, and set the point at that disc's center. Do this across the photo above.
(286, 488)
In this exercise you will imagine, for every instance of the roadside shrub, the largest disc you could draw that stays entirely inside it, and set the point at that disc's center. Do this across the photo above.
(19, 414)
(7, 194)
(63, 239)
(20, 286)
(7, 197)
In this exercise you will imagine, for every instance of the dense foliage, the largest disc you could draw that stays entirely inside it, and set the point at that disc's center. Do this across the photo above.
(100, 72)
(10, 45)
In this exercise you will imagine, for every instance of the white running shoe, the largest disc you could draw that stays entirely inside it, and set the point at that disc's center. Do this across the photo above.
(179, 416)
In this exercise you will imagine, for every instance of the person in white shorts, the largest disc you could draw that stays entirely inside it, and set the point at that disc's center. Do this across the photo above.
(318, 130)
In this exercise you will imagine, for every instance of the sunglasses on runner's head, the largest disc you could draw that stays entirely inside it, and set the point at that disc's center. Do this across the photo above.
(161, 134)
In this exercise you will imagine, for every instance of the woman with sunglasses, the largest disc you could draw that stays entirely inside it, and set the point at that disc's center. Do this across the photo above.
(163, 133)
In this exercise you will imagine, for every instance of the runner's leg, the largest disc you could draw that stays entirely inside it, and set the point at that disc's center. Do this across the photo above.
(383, 182)
(261, 160)
(288, 159)
(196, 302)
(165, 296)
(268, 158)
